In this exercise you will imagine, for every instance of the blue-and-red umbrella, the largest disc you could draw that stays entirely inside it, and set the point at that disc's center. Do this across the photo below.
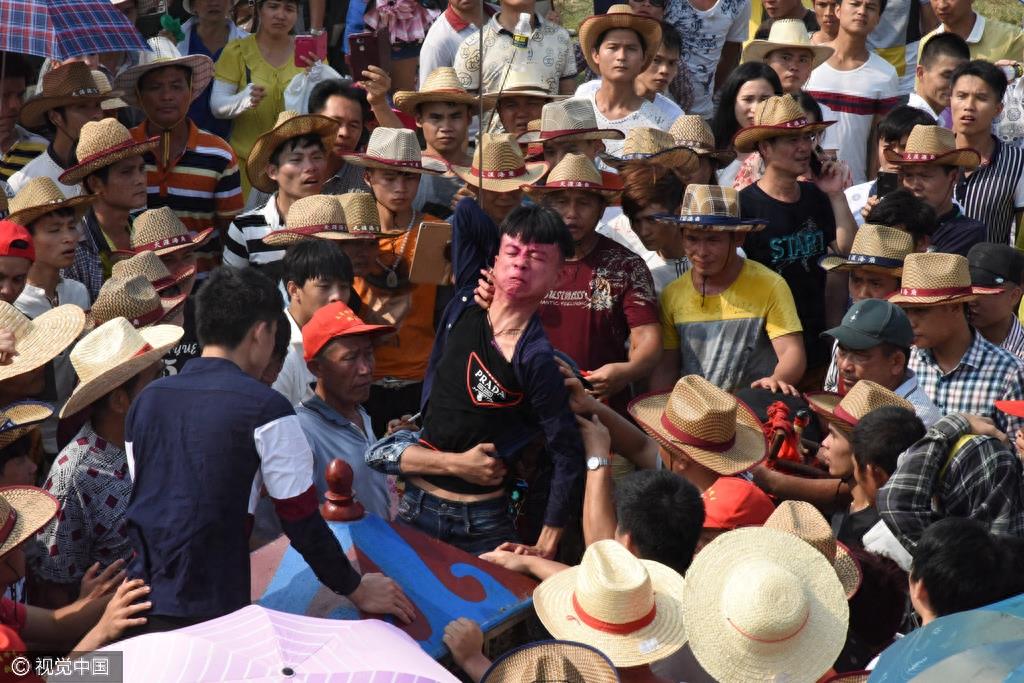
(62, 29)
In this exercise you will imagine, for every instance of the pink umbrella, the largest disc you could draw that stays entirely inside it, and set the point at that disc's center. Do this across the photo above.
(258, 644)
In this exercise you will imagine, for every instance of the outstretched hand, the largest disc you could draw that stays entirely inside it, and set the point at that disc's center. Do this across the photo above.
(377, 594)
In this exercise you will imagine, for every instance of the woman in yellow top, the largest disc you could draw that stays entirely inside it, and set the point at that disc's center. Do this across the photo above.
(252, 74)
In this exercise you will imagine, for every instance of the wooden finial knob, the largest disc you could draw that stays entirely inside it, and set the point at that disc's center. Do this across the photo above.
(340, 505)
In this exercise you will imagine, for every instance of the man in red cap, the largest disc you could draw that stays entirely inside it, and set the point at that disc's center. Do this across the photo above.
(17, 254)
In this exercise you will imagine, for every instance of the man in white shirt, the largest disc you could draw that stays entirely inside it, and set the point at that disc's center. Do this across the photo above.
(939, 59)
(458, 22)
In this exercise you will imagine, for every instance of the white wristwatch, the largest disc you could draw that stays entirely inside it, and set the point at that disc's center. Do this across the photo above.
(596, 462)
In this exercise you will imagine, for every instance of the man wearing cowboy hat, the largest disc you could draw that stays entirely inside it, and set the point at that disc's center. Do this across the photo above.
(90, 476)
(112, 169)
(999, 267)
(930, 166)
(957, 367)
(68, 99)
(192, 171)
(619, 46)
(789, 52)
(743, 320)
(518, 102)
(290, 161)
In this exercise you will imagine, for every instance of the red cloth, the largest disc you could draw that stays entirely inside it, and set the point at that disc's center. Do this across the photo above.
(12, 614)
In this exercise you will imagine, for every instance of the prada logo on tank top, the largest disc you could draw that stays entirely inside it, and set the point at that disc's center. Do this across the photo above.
(484, 388)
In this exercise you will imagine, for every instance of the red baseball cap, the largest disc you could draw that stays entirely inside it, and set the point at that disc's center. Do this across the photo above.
(1015, 408)
(733, 502)
(15, 240)
(332, 321)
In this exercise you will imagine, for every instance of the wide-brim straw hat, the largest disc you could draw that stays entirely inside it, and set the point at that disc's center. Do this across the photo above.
(103, 83)
(775, 117)
(104, 143)
(362, 219)
(316, 216)
(573, 172)
(441, 85)
(875, 247)
(652, 147)
(933, 278)
(134, 299)
(20, 418)
(111, 355)
(393, 149)
(62, 86)
(712, 208)
(148, 265)
(804, 521)
(786, 34)
(847, 411)
(626, 607)
(693, 132)
(500, 161)
(552, 660)
(707, 424)
(41, 196)
(934, 145)
(161, 231)
(289, 125)
(40, 340)
(572, 119)
(619, 16)
(163, 53)
(761, 605)
(524, 84)
(24, 510)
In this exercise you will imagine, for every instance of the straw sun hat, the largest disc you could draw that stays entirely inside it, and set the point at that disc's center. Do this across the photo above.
(713, 208)
(694, 133)
(289, 125)
(40, 340)
(573, 172)
(502, 165)
(776, 116)
(704, 422)
(523, 84)
(111, 355)
(786, 34)
(148, 265)
(317, 216)
(441, 85)
(805, 522)
(362, 220)
(132, 298)
(626, 607)
(934, 145)
(160, 230)
(103, 85)
(65, 85)
(104, 143)
(20, 418)
(572, 119)
(761, 604)
(24, 510)
(162, 53)
(931, 279)
(846, 411)
(552, 660)
(650, 146)
(619, 16)
(41, 196)
(875, 247)
(395, 149)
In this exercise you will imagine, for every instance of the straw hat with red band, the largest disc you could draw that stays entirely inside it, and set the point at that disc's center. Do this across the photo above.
(875, 247)
(161, 231)
(573, 172)
(552, 660)
(104, 143)
(393, 149)
(41, 196)
(930, 279)
(805, 522)
(24, 510)
(501, 164)
(111, 355)
(762, 605)
(847, 411)
(790, 35)
(626, 607)
(362, 220)
(775, 117)
(705, 423)
(333, 321)
(523, 84)
(148, 265)
(319, 215)
(734, 502)
(15, 240)
(20, 418)
(568, 120)
(694, 133)
(135, 299)
(619, 16)
(62, 86)
(41, 339)
(441, 85)
(163, 53)
(934, 145)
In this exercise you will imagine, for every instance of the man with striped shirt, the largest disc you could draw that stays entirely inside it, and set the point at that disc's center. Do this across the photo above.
(994, 192)
(17, 145)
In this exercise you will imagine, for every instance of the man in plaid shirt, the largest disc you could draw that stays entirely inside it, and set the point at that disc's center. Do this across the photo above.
(955, 365)
(954, 472)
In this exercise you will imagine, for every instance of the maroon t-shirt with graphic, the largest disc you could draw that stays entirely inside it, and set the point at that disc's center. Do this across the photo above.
(601, 297)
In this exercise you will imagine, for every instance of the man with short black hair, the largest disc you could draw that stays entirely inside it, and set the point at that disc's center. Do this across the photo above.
(200, 446)
(988, 38)
(940, 57)
(347, 105)
(17, 145)
(998, 269)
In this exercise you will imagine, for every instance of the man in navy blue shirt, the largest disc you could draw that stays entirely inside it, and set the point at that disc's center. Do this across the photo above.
(202, 444)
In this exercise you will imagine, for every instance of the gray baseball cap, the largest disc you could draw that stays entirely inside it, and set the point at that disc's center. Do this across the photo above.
(871, 322)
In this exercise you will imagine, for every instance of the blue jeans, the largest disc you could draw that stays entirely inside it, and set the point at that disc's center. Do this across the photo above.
(473, 527)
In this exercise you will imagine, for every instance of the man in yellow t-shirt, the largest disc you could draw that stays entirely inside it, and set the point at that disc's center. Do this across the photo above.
(987, 38)
(728, 319)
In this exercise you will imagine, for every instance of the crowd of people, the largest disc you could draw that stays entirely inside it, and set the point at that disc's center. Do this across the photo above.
(717, 289)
